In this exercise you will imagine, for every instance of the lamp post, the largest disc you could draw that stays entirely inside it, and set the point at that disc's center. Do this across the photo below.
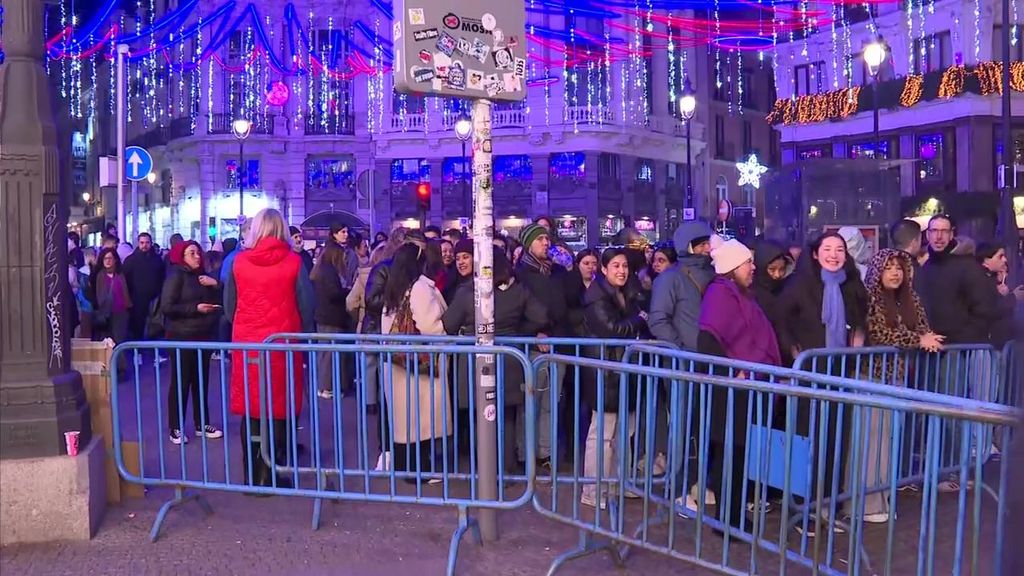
(874, 57)
(463, 130)
(687, 107)
(241, 128)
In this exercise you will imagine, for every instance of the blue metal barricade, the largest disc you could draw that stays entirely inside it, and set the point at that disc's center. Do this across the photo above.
(765, 440)
(291, 444)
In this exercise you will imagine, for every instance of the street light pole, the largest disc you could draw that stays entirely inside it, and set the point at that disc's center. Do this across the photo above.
(466, 200)
(241, 129)
(687, 108)
(874, 56)
(463, 130)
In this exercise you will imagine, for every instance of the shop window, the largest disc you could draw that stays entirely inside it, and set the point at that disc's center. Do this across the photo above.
(568, 166)
(722, 189)
(867, 150)
(250, 174)
(330, 173)
(811, 153)
(930, 149)
(410, 170)
(513, 167)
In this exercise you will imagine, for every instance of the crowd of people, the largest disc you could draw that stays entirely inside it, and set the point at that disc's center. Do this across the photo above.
(762, 303)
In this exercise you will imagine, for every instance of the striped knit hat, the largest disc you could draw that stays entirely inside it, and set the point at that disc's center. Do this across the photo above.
(531, 232)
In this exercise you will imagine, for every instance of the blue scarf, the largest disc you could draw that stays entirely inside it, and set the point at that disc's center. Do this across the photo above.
(833, 311)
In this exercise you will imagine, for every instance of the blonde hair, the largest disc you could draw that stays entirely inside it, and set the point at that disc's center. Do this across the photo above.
(268, 223)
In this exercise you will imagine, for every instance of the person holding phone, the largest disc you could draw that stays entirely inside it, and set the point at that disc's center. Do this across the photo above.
(190, 302)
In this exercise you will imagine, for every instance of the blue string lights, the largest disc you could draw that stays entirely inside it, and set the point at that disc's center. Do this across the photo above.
(168, 51)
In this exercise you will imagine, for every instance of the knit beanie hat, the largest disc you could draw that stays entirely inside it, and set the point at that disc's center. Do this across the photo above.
(531, 232)
(293, 230)
(729, 256)
(464, 246)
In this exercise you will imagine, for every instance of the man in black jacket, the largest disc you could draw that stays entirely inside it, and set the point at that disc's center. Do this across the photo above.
(954, 289)
(144, 272)
(545, 283)
(905, 235)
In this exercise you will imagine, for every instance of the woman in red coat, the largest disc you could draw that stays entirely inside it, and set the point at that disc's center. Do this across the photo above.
(266, 293)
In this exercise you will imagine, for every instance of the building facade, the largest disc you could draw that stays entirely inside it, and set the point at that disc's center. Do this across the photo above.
(938, 95)
(597, 147)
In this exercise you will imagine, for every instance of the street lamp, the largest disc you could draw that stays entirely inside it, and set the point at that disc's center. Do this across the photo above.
(151, 177)
(687, 107)
(241, 128)
(463, 130)
(874, 57)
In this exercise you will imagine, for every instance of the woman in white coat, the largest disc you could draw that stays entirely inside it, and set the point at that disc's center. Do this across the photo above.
(415, 386)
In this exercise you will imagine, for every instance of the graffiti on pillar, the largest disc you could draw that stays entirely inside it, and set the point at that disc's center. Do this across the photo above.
(54, 276)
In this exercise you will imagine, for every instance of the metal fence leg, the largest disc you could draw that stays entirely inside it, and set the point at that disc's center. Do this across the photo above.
(588, 545)
(179, 498)
(466, 524)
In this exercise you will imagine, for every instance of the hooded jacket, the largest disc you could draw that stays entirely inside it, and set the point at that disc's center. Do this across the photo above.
(882, 330)
(858, 248)
(768, 291)
(677, 292)
(267, 292)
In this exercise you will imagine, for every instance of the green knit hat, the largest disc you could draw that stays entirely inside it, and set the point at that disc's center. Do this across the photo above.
(531, 232)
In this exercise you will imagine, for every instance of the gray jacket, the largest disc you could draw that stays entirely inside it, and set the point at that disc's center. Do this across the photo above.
(677, 293)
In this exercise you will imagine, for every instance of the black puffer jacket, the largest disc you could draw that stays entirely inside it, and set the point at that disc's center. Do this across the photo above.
(179, 301)
(375, 283)
(551, 291)
(330, 299)
(958, 298)
(516, 313)
(606, 317)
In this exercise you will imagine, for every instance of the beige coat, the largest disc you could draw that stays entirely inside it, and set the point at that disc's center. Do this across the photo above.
(356, 300)
(421, 403)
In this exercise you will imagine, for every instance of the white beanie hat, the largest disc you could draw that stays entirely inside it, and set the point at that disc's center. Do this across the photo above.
(715, 241)
(729, 256)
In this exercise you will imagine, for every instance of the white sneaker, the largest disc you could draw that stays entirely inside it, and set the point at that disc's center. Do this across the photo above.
(178, 438)
(877, 518)
(383, 462)
(588, 499)
(210, 432)
(325, 394)
(686, 507)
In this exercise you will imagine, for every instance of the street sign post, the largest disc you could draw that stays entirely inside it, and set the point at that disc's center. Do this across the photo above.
(471, 50)
(138, 165)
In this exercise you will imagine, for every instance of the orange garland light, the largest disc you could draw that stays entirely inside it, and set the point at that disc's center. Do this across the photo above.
(912, 90)
(952, 83)
(990, 77)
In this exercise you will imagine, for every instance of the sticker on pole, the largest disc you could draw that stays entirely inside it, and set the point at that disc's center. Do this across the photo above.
(137, 163)
(490, 413)
(485, 58)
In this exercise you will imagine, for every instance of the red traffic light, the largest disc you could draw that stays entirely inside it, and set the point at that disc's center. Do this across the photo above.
(423, 191)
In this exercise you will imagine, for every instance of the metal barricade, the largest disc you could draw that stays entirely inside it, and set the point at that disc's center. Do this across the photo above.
(769, 438)
(291, 444)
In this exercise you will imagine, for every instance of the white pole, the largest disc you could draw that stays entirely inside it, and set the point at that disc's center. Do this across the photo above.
(483, 288)
(373, 213)
(122, 51)
(135, 213)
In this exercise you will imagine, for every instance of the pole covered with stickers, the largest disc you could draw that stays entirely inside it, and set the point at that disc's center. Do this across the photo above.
(483, 297)
(476, 52)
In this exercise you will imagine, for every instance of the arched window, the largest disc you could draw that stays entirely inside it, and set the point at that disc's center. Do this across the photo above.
(722, 188)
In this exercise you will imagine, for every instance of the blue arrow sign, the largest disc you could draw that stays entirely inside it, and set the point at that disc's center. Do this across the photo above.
(138, 163)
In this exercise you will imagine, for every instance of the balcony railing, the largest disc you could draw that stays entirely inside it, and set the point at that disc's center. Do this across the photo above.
(589, 115)
(261, 124)
(341, 125)
(161, 135)
(408, 122)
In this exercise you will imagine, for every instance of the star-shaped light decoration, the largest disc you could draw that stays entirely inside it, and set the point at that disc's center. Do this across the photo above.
(750, 171)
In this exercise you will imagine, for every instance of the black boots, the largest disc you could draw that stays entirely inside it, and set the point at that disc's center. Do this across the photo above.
(262, 475)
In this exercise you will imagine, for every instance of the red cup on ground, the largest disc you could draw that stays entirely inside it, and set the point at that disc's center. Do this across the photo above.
(71, 441)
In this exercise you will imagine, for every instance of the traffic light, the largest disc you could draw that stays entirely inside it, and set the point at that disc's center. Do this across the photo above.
(211, 230)
(423, 196)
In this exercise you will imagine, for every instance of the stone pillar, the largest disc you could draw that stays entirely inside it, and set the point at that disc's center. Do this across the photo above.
(40, 398)
(540, 163)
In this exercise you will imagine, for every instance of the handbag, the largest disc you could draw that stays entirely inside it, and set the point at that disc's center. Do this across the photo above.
(155, 320)
(405, 324)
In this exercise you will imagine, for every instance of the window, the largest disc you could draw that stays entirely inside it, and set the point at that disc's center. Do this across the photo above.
(330, 173)
(235, 46)
(810, 78)
(457, 170)
(516, 167)
(811, 154)
(749, 93)
(1018, 158)
(867, 150)
(719, 136)
(722, 188)
(568, 165)
(933, 53)
(930, 148)
(1016, 52)
(410, 170)
(649, 71)
(586, 84)
(645, 172)
(234, 96)
(250, 176)
(408, 103)
(748, 137)
(855, 13)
